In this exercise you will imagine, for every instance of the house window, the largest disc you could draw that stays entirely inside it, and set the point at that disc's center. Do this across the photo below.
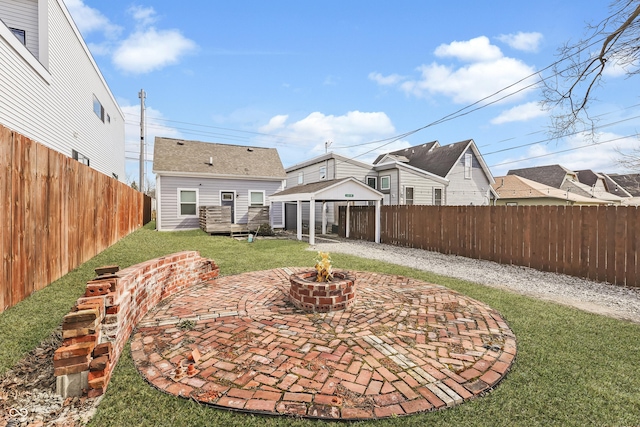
(408, 195)
(385, 182)
(300, 178)
(372, 182)
(108, 118)
(437, 196)
(80, 157)
(468, 163)
(227, 197)
(256, 198)
(323, 172)
(98, 108)
(20, 34)
(188, 202)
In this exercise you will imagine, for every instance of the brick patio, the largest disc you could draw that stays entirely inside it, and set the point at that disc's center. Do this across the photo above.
(405, 346)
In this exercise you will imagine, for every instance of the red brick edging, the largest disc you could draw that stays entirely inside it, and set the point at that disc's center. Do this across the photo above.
(322, 297)
(100, 323)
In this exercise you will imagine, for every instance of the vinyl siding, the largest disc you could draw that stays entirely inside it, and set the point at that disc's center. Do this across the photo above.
(23, 15)
(335, 170)
(55, 106)
(462, 191)
(209, 195)
(422, 188)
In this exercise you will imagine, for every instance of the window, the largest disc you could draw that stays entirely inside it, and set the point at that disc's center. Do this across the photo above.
(188, 202)
(20, 34)
(108, 118)
(98, 108)
(256, 198)
(408, 195)
(385, 182)
(468, 163)
(372, 181)
(323, 172)
(79, 157)
(300, 178)
(437, 196)
(227, 197)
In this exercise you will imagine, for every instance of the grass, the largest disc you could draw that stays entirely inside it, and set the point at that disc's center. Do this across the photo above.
(573, 368)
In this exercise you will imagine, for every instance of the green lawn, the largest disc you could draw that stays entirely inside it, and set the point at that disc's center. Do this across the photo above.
(573, 368)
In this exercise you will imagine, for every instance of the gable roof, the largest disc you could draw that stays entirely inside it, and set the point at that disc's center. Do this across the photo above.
(517, 187)
(551, 175)
(326, 156)
(183, 157)
(406, 154)
(629, 182)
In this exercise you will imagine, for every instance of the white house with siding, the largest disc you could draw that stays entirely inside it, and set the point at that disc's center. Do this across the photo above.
(51, 89)
(190, 174)
(426, 174)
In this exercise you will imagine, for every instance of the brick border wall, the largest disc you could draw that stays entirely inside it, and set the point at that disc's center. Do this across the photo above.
(98, 327)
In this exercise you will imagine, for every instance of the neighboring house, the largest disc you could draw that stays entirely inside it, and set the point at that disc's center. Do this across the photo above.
(625, 185)
(190, 174)
(600, 187)
(431, 174)
(51, 89)
(427, 174)
(514, 190)
(561, 178)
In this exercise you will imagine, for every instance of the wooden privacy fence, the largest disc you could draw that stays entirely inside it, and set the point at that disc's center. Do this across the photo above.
(596, 242)
(55, 214)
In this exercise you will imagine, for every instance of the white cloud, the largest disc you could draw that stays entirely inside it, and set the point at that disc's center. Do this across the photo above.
(310, 134)
(520, 113)
(88, 19)
(149, 50)
(486, 72)
(472, 82)
(144, 15)
(474, 50)
(389, 80)
(599, 156)
(527, 42)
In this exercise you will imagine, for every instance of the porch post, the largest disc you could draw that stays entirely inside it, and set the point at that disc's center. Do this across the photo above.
(324, 217)
(347, 225)
(299, 219)
(378, 221)
(312, 222)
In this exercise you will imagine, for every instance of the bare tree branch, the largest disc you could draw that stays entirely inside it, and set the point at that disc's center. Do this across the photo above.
(580, 68)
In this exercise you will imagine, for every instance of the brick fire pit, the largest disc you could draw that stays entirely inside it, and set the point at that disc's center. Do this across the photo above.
(322, 297)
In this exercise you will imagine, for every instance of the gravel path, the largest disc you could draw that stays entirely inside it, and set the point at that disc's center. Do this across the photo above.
(602, 298)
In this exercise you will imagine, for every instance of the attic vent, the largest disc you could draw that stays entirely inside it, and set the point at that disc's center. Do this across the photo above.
(180, 143)
(210, 161)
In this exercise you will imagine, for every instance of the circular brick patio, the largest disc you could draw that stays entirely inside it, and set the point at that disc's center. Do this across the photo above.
(404, 347)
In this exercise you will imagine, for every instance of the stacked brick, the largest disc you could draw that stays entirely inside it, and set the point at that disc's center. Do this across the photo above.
(322, 297)
(98, 327)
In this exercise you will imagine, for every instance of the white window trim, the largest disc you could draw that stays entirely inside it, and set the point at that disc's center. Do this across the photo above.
(468, 165)
(179, 190)
(413, 199)
(320, 173)
(375, 181)
(300, 178)
(235, 205)
(264, 197)
(381, 180)
(441, 197)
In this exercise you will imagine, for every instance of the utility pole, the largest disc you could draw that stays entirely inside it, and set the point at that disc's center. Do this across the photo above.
(142, 95)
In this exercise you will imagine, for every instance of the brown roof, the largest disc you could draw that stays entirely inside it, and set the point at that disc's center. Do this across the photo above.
(178, 155)
(551, 175)
(517, 187)
(431, 157)
(630, 182)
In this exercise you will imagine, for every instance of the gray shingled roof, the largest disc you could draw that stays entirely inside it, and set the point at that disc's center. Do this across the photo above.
(588, 177)
(431, 157)
(177, 155)
(310, 188)
(552, 175)
(630, 182)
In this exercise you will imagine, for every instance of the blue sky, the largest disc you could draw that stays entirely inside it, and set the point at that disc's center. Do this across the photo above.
(295, 74)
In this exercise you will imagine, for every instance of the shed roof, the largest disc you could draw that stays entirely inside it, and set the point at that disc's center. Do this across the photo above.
(193, 157)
